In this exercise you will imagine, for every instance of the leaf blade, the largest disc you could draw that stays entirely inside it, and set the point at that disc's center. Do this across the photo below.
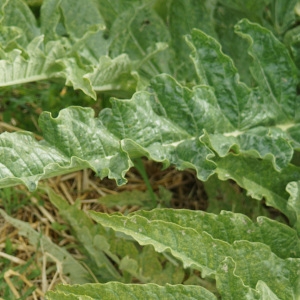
(273, 69)
(114, 290)
(201, 251)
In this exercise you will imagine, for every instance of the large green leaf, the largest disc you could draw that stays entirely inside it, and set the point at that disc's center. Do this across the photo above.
(279, 17)
(231, 227)
(140, 32)
(245, 107)
(63, 150)
(111, 9)
(225, 18)
(230, 285)
(18, 24)
(254, 261)
(67, 22)
(217, 70)
(291, 39)
(200, 15)
(31, 65)
(116, 291)
(275, 101)
(78, 18)
(113, 74)
(282, 15)
(277, 88)
(276, 15)
(260, 180)
(293, 188)
(247, 6)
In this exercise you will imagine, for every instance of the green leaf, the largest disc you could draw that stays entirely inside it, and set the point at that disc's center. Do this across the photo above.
(201, 251)
(78, 18)
(226, 15)
(293, 188)
(291, 39)
(269, 184)
(113, 74)
(63, 150)
(282, 15)
(259, 142)
(18, 20)
(134, 197)
(216, 69)
(200, 15)
(50, 18)
(247, 6)
(198, 108)
(231, 227)
(229, 284)
(114, 290)
(67, 22)
(242, 106)
(145, 130)
(277, 16)
(111, 9)
(34, 64)
(140, 33)
(71, 267)
(160, 237)
(273, 69)
(154, 269)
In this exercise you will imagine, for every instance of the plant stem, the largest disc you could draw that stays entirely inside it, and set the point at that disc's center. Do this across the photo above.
(138, 164)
